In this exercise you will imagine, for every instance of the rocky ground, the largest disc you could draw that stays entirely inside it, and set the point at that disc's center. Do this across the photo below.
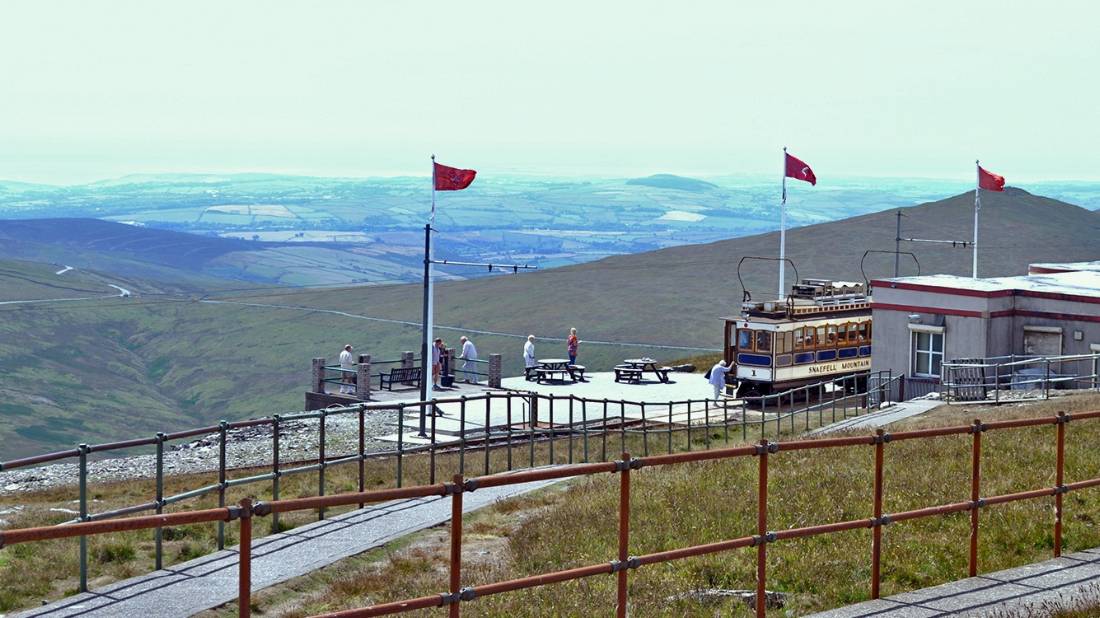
(247, 447)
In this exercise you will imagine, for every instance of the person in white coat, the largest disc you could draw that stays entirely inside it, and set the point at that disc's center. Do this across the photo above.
(347, 375)
(468, 356)
(529, 361)
(718, 378)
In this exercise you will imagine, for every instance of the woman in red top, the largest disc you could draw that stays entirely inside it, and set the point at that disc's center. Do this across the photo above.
(571, 345)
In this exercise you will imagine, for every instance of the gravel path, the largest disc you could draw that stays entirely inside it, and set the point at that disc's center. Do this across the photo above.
(247, 447)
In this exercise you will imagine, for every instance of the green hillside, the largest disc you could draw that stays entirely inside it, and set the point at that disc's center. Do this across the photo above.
(122, 367)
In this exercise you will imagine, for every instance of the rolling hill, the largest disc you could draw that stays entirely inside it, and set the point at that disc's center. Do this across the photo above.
(182, 260)
(87, 371)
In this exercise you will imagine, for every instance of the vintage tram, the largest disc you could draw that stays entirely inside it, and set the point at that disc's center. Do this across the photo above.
(821, 331)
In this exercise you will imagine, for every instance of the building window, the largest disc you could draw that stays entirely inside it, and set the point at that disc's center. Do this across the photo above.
(927, 354)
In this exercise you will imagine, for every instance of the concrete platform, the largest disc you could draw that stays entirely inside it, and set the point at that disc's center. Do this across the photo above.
(1036, 589)
(496, 416)
(896, 412)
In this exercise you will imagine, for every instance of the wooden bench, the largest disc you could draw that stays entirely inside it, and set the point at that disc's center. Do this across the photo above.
(662, 374)
(576, 372)
(530, 372)
(626, 373)
(399, 375)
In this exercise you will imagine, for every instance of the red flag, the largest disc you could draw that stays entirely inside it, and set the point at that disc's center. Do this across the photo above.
(990, 181)
(798, 170)
(452, 178)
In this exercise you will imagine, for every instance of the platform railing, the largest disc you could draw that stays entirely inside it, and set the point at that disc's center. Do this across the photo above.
(566, 427)
(757, 537)
(1035, 376)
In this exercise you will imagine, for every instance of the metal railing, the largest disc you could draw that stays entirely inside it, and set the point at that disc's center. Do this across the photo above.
(583, 427)
(623, 562)
(984, 379)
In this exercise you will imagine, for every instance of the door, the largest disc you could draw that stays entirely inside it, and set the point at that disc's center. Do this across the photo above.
(1042, 342)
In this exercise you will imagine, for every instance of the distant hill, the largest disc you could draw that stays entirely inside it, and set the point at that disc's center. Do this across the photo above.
(197, 261)
(671, 181)
(120, 367)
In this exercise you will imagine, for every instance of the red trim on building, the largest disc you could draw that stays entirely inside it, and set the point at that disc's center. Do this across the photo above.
(935, 310)
(938, 289)
(1050, 315)
(1042, 270)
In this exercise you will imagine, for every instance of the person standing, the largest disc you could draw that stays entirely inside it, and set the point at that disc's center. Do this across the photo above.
(437, 361)
(718, 378)
(468, 356)
(347, 371)
(571, 346)
(529, 362)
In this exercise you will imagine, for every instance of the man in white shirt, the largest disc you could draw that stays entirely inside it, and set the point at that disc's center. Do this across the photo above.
(718, 378)
(529, 362)
(468, 356)
(347, 375)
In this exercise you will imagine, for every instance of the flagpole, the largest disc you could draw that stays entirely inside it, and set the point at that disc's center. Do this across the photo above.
(783, 229)
(977, 207)
(426, 379)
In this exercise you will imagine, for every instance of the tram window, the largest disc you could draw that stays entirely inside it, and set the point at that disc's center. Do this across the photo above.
(863, 335)
(830, 336)
(819, 338)
(763, 341)
(783, 342)
(744, 340)
(848, 334)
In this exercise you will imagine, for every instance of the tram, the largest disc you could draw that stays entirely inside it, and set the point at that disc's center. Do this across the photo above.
(822, 330)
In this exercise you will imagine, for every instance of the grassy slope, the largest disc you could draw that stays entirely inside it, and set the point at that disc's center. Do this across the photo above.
(562, 529)
(89, 372)
(20, 280)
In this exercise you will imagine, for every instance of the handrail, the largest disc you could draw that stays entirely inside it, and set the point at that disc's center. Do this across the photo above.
(245, 511)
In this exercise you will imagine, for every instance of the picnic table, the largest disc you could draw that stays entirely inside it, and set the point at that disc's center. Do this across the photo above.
(632, 369)
(555, 368)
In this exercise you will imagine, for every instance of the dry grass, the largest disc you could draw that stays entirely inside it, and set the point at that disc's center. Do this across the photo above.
(577, 526)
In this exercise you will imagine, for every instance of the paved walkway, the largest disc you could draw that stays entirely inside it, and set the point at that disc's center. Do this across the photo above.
(210, 581)
(881, 418)
(1036, 589)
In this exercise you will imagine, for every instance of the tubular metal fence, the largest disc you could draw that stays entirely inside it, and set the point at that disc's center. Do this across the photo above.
(984, 379)
(624, 562)
(584, 428)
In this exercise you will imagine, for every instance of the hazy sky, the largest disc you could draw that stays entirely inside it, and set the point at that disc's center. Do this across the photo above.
(92, 89)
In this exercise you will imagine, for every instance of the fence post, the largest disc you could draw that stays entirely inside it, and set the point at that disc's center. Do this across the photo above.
(363, 447)
(1059, 477)
(158, 536)
(997, 383)
(762, 529)
(571, 428)
(496, 370)
(223, 426)
(83, 448)
(276, 473)
(362, 377)
(461, 435)
(317, 376)
(488, 408)
(508, 409)
(876, 538)
(400, 443)
(244, 574)
(552, 431)
(321, 461)
(1046, 382)
(456, 546)
(975, 492)
(624, 534)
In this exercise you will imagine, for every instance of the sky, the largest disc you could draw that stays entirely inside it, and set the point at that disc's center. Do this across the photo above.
(93, 89)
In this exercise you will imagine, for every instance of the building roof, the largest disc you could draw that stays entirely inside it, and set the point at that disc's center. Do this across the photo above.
(1061, 267)
(1081, 282)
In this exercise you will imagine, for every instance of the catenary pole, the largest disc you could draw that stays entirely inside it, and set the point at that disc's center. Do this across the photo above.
(977, 207)
(783, 230)
(897, 246)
